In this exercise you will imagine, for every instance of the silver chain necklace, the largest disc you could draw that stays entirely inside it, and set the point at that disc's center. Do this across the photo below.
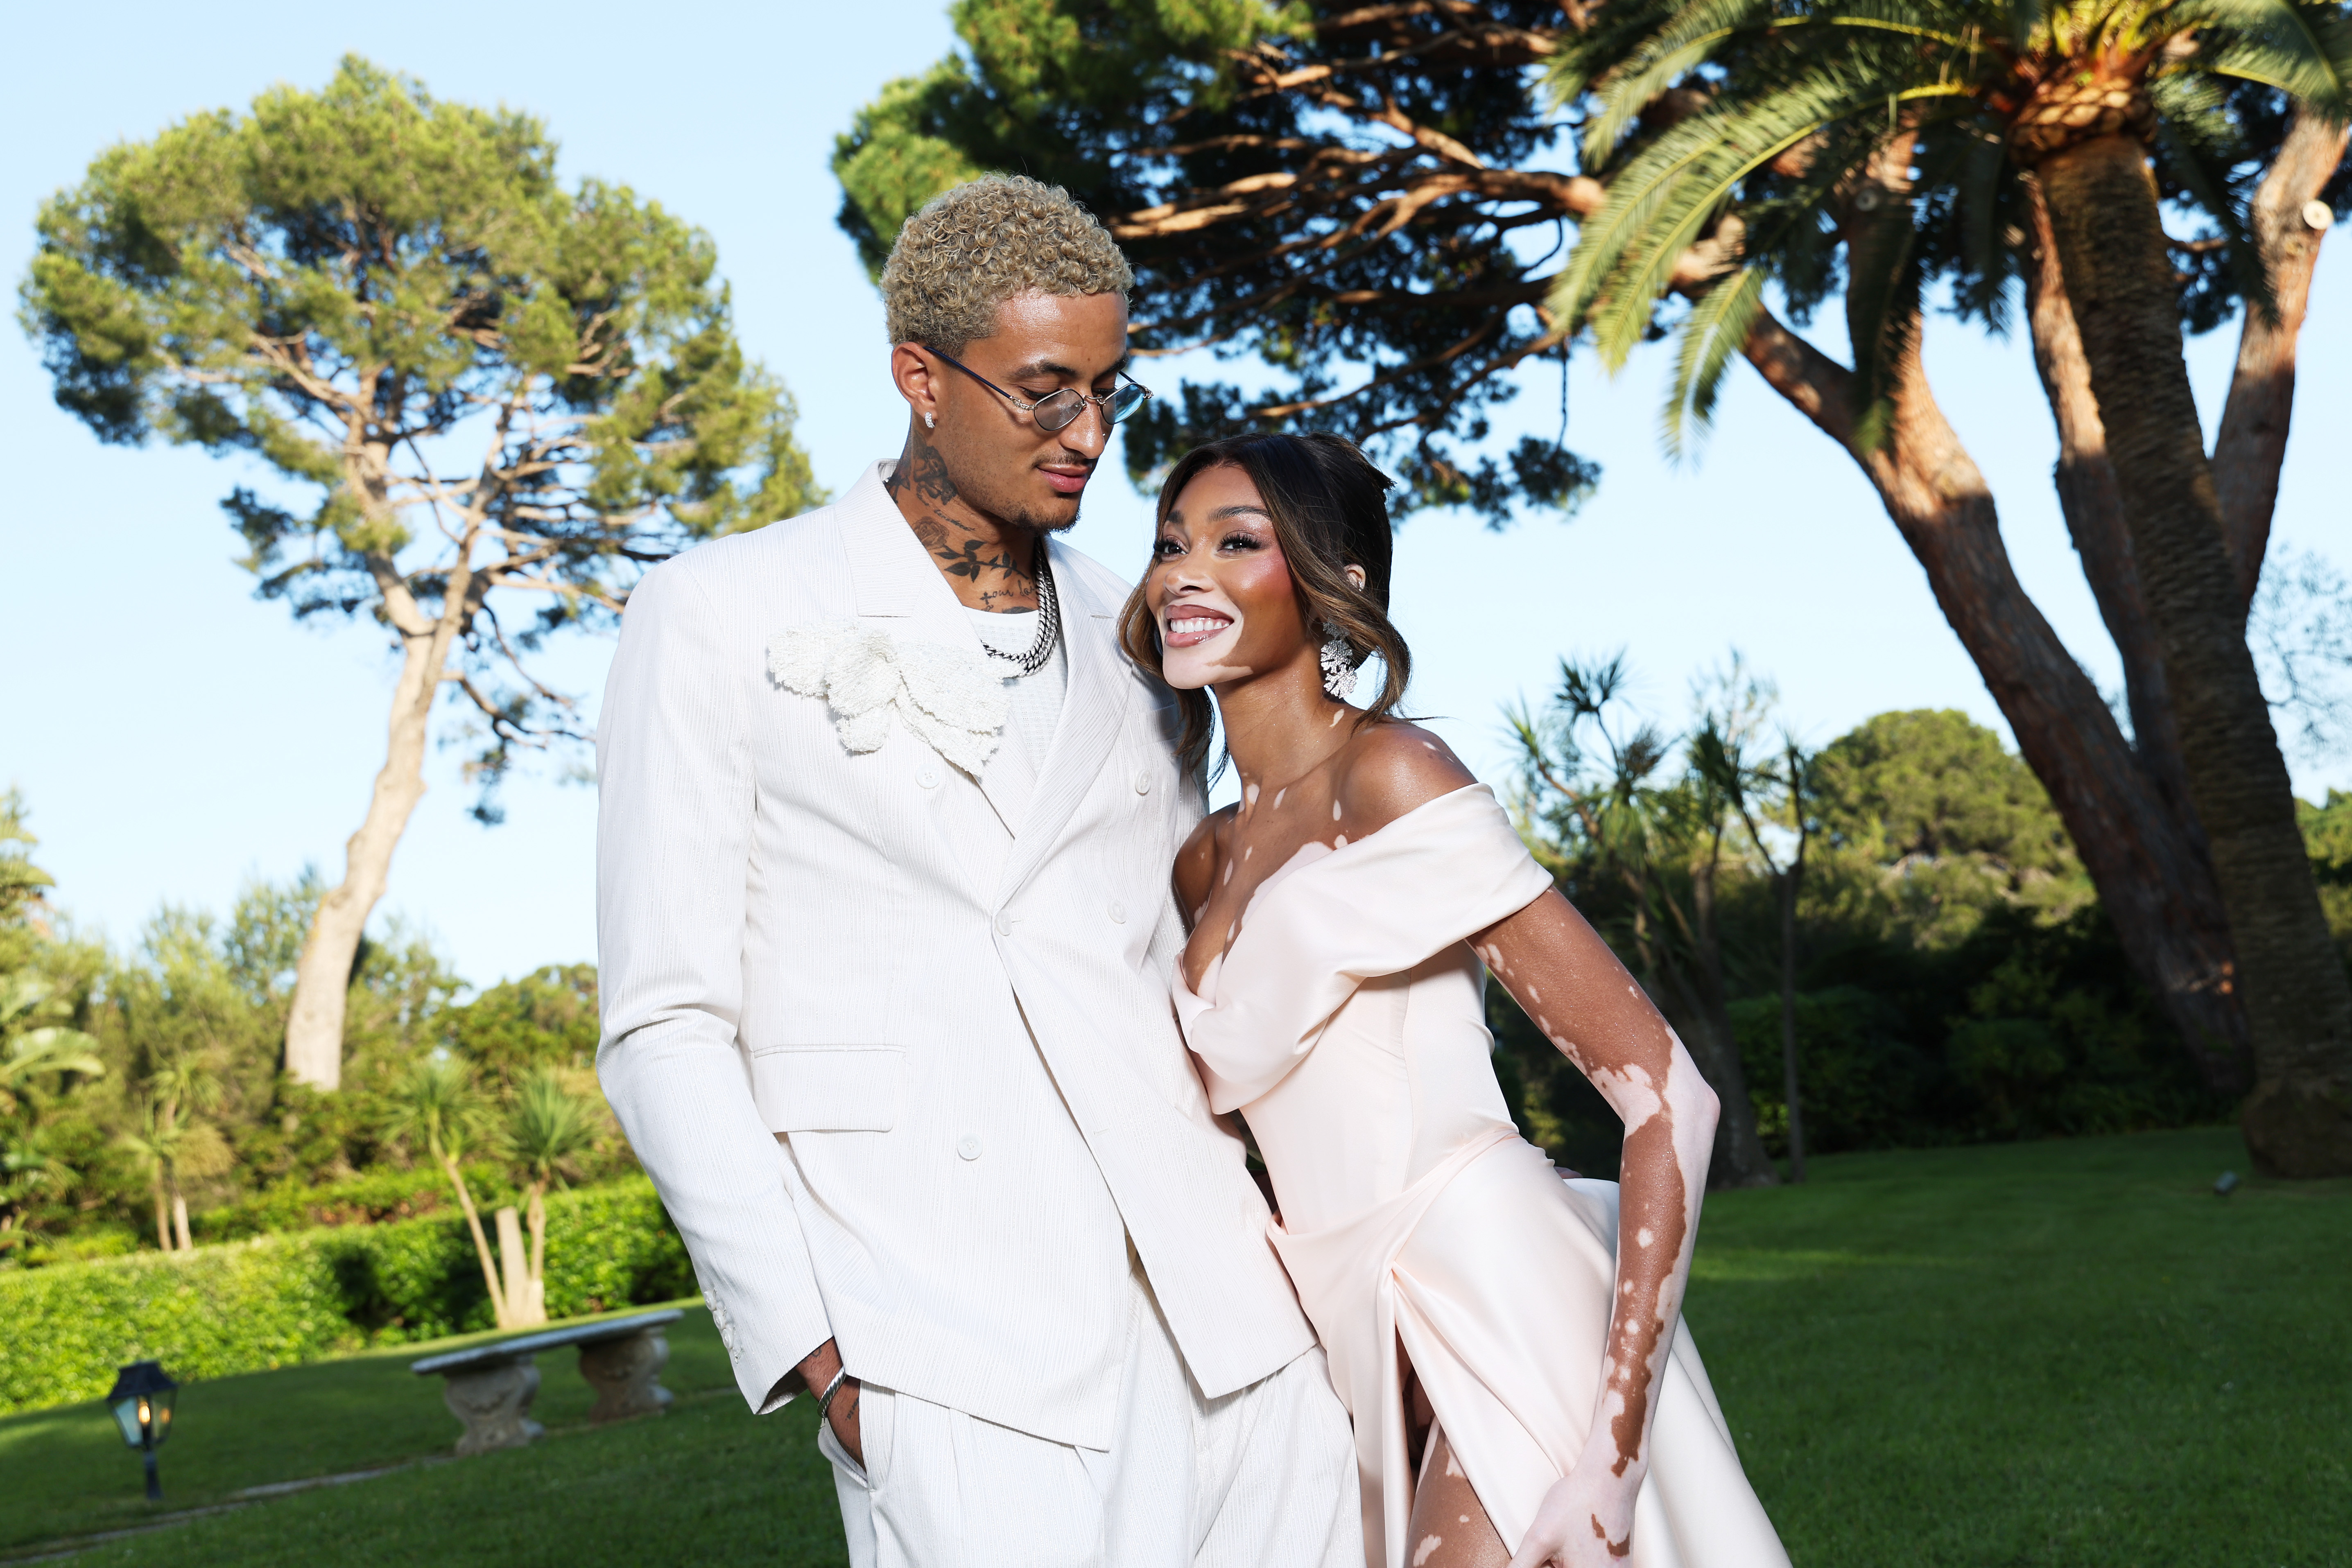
(1049, 623)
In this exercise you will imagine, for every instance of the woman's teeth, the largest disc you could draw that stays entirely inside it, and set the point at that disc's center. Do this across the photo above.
(1195, 624)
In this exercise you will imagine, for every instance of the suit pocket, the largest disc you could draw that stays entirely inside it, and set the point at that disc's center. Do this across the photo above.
(828, 1088)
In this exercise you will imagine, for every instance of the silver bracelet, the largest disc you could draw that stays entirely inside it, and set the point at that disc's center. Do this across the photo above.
(824, 1400)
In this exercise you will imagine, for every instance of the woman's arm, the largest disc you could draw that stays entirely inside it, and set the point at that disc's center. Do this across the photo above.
(1557, 968)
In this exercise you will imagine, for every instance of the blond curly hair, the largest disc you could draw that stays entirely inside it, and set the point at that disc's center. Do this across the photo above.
(968, 249)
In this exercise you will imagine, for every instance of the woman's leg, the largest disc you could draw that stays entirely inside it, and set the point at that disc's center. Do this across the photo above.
(1449, 1528)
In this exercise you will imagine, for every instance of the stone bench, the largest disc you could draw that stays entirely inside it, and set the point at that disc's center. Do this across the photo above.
(489, 1388)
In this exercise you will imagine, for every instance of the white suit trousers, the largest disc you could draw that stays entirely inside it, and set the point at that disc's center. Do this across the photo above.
(1262, 1478)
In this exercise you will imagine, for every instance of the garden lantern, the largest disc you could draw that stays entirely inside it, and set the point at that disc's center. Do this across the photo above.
(141, 1402)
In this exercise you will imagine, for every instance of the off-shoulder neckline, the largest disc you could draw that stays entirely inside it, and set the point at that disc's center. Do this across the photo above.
(1292, 874)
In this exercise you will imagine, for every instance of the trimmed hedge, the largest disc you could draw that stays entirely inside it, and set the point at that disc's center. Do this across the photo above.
(379, 1197)
(281, 1299)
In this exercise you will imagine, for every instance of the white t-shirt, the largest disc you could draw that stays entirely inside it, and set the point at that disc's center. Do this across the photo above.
(1036, 699)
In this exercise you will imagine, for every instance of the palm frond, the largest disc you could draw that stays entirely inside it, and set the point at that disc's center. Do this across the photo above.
(1673, 189)
(1882, 317)
(2303, 49)
(2198, 147)
(1658, 62)
(1717, 326)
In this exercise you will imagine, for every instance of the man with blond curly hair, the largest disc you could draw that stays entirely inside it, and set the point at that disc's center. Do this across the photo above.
(885, 925)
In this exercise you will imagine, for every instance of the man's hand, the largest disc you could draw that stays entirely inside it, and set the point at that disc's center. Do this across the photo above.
(841, 1414)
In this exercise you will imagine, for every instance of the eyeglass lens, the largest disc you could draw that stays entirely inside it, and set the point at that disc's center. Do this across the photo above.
(1060, 410)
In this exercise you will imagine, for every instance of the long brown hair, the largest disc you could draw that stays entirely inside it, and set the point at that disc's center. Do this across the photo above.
(1330, 507)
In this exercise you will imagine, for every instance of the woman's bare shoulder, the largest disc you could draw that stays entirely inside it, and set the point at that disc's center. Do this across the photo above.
(1196, 862)
(1390, 768)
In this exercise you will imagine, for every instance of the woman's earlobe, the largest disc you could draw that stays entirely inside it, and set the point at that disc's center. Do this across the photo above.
(1354, 573)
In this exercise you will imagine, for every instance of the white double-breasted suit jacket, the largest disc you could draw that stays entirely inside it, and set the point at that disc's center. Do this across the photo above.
(894, 1040)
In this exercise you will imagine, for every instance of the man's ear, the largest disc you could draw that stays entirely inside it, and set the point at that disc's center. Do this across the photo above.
(911, 374)
(1355, 574)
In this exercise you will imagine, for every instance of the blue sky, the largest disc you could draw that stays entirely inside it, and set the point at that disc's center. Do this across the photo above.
(174, 736)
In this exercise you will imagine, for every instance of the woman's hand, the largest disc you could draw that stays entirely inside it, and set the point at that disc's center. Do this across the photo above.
(1586, 1520)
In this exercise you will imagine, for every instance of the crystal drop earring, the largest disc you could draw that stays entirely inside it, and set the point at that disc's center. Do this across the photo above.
(1338, 661)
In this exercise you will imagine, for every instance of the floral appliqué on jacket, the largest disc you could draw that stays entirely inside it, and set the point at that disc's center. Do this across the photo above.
(948, 698)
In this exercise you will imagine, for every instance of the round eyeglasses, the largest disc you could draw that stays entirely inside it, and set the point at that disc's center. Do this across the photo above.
(1058, 410)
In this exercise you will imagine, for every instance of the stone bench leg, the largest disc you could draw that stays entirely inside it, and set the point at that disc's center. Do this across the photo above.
(494, 1403)
(626, 1376)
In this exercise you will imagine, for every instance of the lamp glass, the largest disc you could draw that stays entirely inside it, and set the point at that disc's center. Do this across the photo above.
(141, 1401)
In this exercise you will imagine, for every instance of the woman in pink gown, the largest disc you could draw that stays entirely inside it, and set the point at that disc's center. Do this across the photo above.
(1509, 1344)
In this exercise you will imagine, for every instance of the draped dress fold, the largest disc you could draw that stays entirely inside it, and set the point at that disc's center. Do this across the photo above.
(1346, 1022)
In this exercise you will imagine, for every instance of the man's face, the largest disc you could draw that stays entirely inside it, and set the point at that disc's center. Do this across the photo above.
(999, 461)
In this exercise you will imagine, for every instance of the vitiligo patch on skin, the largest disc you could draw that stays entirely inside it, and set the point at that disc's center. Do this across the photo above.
(1616, 1038)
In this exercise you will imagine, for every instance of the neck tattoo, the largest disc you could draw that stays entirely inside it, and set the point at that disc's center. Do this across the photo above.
(927, 498)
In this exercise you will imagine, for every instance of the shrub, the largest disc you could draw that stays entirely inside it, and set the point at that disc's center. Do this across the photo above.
(379, 1197)
(279, 1300)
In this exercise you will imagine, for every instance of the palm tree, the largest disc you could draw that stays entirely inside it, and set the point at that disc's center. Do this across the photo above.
(27, 1166)
(50, 1048)
(1942, 138)
(548, 1129)
(1591, 775)
(437, 1105)
(1751, 788)
(171, 1140)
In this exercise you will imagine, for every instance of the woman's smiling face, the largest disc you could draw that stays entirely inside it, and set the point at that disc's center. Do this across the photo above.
(1218, 585)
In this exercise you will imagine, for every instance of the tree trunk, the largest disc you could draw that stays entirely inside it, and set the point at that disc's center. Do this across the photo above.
(2145, 865)
(314, 1024)
(1788, 879)
(1740, 1156)
(2297, 997)
(516, 1267)
(180, 1221)
(2093, 510)
(163, 1216)
(2251, 443)
(535, 1216)
(499, 1313)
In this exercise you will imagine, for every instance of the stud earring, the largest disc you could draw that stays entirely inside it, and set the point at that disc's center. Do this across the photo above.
(1338, 661)
(930, 422)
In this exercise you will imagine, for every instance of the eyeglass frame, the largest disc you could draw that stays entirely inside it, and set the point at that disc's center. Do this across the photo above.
(1101, 401)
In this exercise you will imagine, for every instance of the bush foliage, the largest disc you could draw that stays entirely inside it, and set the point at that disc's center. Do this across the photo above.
(279, 1300)
(1956, 980)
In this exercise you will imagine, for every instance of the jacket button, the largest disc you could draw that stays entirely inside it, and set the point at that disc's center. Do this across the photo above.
(968, 1146)
(927, 777)
(1005, 923)
(1118, 914)
(1143, 783)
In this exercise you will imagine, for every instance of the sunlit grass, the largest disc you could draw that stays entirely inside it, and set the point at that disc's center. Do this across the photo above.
(2053, 1354)
(2067, 1353)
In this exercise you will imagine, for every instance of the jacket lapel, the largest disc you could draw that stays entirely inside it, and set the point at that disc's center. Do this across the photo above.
(1093, 707)
(893, 578)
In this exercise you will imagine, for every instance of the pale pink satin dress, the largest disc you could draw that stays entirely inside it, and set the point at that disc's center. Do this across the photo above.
(1347, 1024)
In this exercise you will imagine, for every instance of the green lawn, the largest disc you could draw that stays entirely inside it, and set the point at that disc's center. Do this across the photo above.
(2066, 1353)
(705, 1484)
(2046, 1353)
